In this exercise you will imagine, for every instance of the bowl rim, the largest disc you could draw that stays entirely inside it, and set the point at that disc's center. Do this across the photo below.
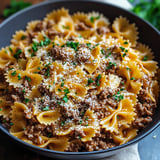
(30, 146)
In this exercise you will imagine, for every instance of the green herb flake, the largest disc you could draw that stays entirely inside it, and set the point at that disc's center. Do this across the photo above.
(98, 79)
(145, 58)
(11, 124)
(124, 54)
(65, 99)
(73, 45)
(1, 101)
(117, 117)
(63, 123)
(26, 100)
(45, 108)
(59, 89)
(80, 36)
(118, 97)
(0, 109)
(10, 49)
(66, 91)
(23, 37)
(79, 137)
(127, 68)
(19, 76)
(13, 73)
(86, 118)
(28, 79)
(16, 55)
(89, 81)
(102, 51)
(125, 42)
(62, 84)
(122, 89)
(80, 122)
(46, 41)
(132, 78)
(58, 102)
(23, 91)
(65, 27)
(122, 48)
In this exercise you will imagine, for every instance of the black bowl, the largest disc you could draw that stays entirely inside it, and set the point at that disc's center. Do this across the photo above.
(148, 35)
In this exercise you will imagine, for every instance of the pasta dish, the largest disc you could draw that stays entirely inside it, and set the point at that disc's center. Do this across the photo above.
(77, 83)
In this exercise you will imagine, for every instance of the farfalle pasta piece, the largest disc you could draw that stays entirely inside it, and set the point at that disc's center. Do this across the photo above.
(129, 31)
(48, 117)
(123, 115)
(20, 37)
(131, 72)
(122, 138)
(33, 65)
(5, 107)
(18, 117)
(6, 57)
(93, 62)
(145, 53)
(56, 15)
(149, 67)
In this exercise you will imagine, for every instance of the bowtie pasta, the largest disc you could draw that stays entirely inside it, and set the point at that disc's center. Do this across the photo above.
(77, 82)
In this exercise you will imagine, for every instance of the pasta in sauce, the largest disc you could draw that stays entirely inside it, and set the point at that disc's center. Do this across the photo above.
(77, 82)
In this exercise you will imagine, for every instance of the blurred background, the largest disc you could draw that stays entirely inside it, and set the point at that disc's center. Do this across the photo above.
(146, 9)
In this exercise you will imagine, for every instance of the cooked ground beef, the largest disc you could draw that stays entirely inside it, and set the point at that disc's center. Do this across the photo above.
(81, 26)
(102, 30)
(39, 27)
(52, 33)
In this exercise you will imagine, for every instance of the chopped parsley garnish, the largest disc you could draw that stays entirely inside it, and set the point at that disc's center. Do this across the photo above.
(65, 99)
(58, 102)
(63, 123)
(45, 108)
(110, 65)
(92, 19)
(0, 109)
(122, 89)
(23, 91)
(89, 81)
(46, 41)
(38, 68)
(80, 36)
(19, 76)
(10, 49)
(65, 27)
(122, 48)
(132, 78)
(118, 97)
(28, 79)
(62, 84)
(34, 46)
(0, 101)
(74, 63)
(124, 54)
(80, 122)
(26, 100)
(47, 71)
(98, 79)
(23, 37)
(13, 73)
(102, 51)
(127, 68)
(145, 58)
(16, 55)
(86, 118)
(59, 89)
(88, 44)
(11, 124)
(125, 42)
(66, 91)
(117, 117)
(79, 137)
(109, 54)
(73, 45)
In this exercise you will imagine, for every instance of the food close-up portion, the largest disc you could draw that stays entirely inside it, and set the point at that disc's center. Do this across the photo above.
(77, 83)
